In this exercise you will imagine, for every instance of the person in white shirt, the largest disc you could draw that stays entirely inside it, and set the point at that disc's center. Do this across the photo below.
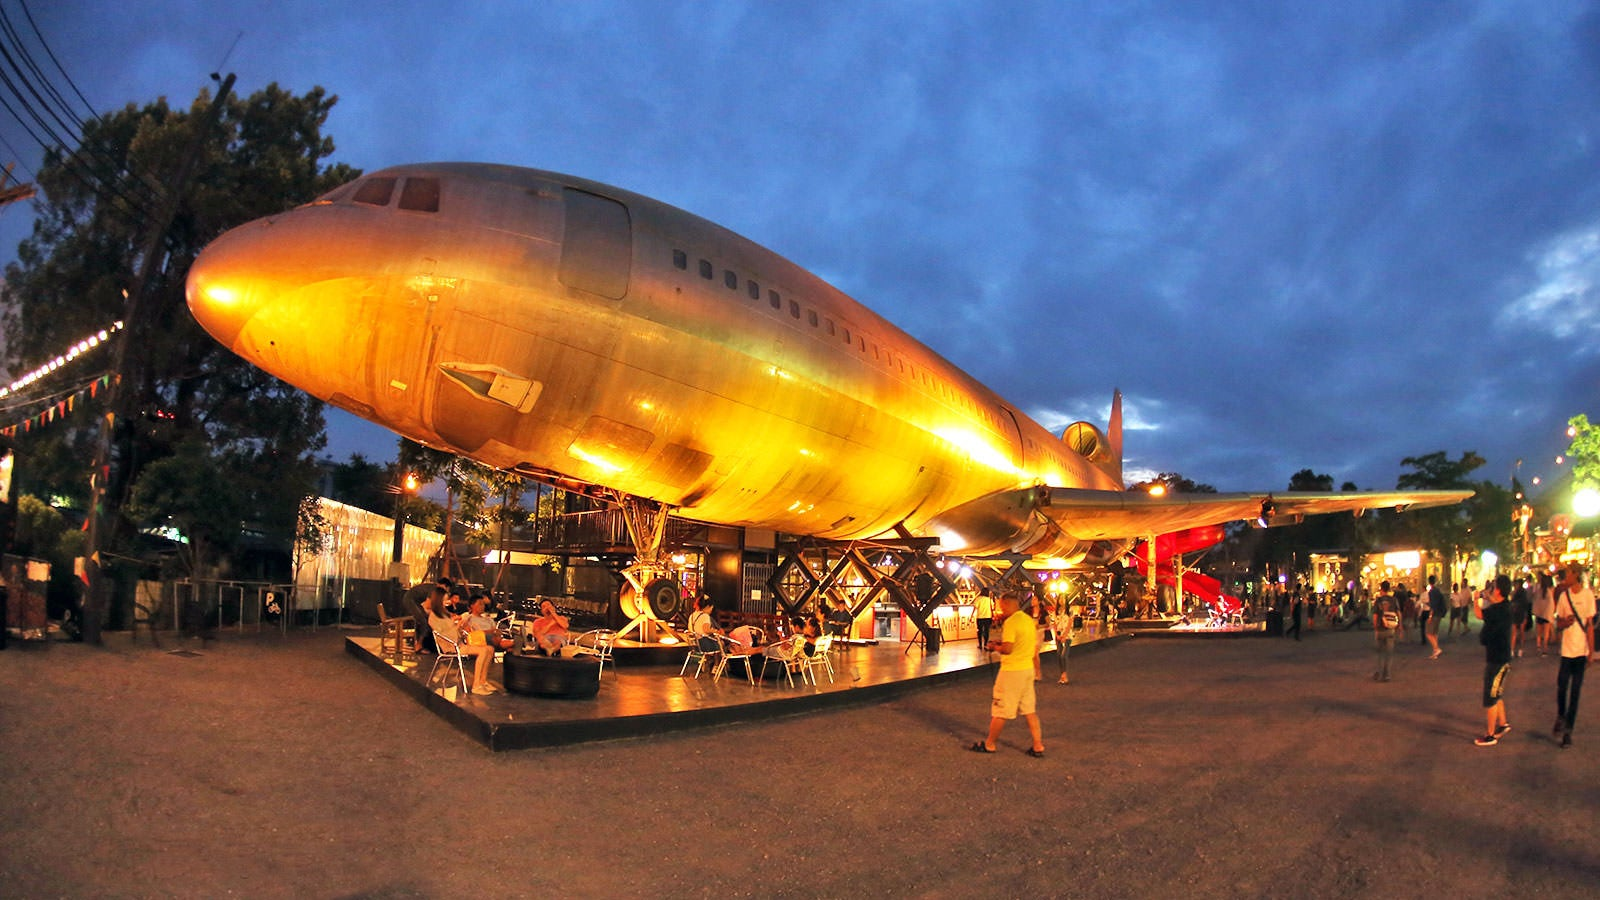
(1574, 624)
(1460, 600)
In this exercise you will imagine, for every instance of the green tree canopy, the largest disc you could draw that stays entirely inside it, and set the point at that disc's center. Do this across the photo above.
(1583, 452)
(1175, 483)
(190, 398)
(1453, 529)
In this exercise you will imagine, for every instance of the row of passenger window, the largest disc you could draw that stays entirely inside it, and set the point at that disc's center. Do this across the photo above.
(731, 280)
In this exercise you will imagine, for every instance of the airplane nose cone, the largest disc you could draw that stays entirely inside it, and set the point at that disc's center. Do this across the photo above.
(227, 284)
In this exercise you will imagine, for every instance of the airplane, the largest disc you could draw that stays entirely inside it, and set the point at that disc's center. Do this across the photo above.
(575, 332)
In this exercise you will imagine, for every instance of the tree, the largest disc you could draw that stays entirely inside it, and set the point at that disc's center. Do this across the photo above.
(364, 485)
(1583, 452)
(43, 532)
(192, 492)
(1289, 547)
(466, 482)
(190, 401)
(312, 535)
(1175, 483)
(1447, 530)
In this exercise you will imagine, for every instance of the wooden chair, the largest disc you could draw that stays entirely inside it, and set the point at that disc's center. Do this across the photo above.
(397, 635)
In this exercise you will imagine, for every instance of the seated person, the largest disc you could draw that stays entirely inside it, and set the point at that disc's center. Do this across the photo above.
(806, 634)
(448, 627)
(746, 640)
(549, 629)
(789, 650)
(703, 625)
(477, 619)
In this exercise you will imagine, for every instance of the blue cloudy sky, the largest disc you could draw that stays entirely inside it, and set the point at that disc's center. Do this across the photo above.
(1293, 234)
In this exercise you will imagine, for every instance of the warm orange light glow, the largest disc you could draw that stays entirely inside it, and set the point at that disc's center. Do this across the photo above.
(594, 460)
(1158, 490)
(220, 294)
(1403, 559)
(979, 450)
(412, 483)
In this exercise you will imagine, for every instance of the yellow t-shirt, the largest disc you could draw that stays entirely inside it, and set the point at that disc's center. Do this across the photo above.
(1021, 632)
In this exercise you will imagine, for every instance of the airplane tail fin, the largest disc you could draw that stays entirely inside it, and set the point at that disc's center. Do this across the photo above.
(1103, 449)
(1114, 436)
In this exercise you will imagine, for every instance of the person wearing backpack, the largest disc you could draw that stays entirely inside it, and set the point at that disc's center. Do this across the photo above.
(1574, 625)
(1387, 628)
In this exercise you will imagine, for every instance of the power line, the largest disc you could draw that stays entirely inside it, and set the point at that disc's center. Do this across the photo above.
(59, 68)
(35, 99)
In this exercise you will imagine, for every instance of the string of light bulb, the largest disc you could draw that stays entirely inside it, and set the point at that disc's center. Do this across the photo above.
(76, 350)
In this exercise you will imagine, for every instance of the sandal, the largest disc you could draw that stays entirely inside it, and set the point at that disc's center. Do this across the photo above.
(1036, 754)
(978, 747)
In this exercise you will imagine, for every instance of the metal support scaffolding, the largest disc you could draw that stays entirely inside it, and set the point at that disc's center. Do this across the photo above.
(905, 571)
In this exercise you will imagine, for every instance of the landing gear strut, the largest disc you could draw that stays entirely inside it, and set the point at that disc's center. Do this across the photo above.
(650, 594)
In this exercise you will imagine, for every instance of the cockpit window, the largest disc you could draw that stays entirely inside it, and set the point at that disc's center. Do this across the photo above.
(375, 191)
(420, 194)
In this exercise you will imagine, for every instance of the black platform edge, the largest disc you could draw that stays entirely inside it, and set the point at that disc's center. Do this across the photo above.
(561, 733)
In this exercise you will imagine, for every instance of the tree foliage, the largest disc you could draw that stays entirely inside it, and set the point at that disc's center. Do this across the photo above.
(1583, 452)
(364, 484)
(1444, 529)
(197, 411)
(1175, 483)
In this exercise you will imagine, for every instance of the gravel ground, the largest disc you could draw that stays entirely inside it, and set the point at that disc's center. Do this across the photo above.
(271, 766)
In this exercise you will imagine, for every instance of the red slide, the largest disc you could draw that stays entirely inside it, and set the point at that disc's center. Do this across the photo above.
(1205, 587)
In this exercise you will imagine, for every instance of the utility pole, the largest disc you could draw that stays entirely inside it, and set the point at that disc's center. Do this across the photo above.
(96, 590)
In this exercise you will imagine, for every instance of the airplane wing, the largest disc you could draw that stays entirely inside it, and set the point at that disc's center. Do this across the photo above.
(1108, 515)
(1055, 516)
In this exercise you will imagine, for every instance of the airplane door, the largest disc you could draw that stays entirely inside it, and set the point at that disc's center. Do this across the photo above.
(1019, 453)
(596, 245)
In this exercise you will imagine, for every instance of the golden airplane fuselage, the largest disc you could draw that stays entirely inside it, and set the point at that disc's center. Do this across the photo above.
(551, 325)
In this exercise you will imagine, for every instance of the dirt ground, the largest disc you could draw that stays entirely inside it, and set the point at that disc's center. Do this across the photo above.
(270, 766)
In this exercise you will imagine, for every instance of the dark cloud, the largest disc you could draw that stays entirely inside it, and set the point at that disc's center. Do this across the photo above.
(1324, 237)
